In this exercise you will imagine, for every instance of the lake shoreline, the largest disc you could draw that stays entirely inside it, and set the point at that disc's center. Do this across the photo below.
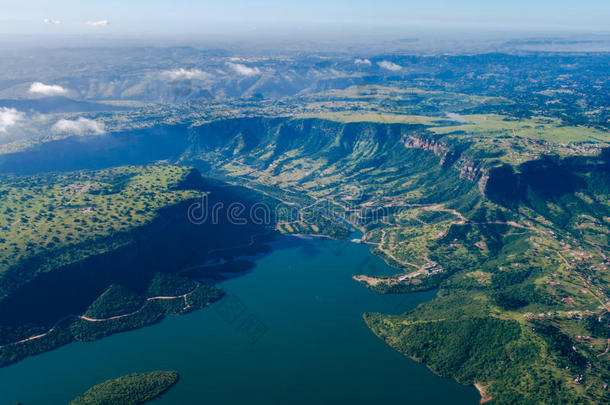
(295, 293)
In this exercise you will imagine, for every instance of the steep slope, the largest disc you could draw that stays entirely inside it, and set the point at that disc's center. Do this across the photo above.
(519, 250)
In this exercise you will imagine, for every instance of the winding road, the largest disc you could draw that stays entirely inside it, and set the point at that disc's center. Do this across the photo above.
(89, 319)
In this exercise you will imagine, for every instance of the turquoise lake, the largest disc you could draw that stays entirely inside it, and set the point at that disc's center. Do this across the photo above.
(289, 332)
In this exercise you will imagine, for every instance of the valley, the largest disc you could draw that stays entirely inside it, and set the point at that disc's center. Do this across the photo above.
(493, 197)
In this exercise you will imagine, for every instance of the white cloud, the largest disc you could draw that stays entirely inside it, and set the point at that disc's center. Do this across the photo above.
(456, 117)
(243, 69)
(101, 23)
(47, 89)
(384, 64)
(9, 117)
(363, 62)
(51, 21)
(185, 74)
(80, 126)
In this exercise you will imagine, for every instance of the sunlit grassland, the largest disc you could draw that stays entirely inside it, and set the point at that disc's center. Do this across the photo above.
(46, 212)
(386, 118)
(535, 128)
(380, 93)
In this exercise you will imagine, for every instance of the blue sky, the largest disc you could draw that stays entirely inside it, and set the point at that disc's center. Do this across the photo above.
(226, 16)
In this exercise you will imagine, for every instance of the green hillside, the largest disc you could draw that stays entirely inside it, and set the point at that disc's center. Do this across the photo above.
(513, 228)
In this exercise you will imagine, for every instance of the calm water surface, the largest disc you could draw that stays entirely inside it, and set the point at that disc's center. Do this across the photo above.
(289, 332)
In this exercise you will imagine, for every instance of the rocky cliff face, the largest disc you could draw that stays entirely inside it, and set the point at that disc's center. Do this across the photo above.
(470, 169)
(450, 156)
(414, 142)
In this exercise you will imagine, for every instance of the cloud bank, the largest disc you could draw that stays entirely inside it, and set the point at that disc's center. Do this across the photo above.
(384, 64)
(366, 62)
(51, 21)
(101, 23)
(244, 70)
(185, 74)
(47, 89)
(81, 126)
(9, 117)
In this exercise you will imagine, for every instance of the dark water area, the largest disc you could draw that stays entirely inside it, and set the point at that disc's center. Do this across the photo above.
(288, 331)
(99, 152)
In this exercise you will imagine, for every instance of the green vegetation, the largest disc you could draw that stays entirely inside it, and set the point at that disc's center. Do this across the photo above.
(384, 118)
(497, 354)
(534, 128)
(483, 176)
(118, 309)
(127, 279)
(129, 390)
(512, 229)
(53, 220)
(128, 230)
(116, 300)
(512, 226)
(124, 313)
(480, 125)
